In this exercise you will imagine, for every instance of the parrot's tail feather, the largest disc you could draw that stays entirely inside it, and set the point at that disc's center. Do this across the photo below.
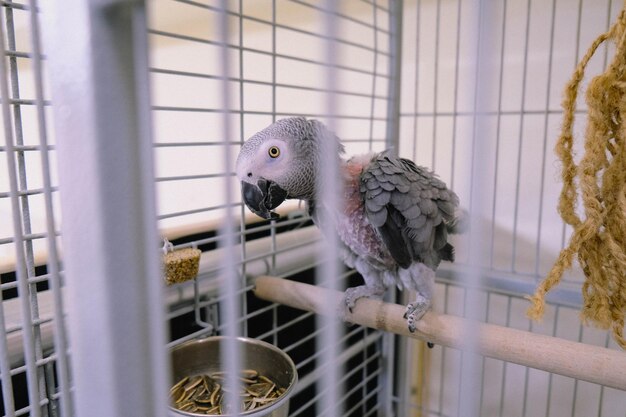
(447, 253)
(460, 223)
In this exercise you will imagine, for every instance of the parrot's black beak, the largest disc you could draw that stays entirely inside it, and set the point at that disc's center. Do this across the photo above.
(263, 197)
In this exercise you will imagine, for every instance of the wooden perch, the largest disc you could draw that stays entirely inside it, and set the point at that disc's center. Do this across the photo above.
(576, 360)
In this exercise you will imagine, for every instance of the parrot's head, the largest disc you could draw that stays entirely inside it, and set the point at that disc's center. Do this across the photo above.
(282, 161)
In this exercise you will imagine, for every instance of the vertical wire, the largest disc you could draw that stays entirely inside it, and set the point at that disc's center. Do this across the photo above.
(498, 128)
(482, 366)
(608, 25)
(22, 277)
(60, 337)
(526, 377)
(503, 383)
(392, 141)
(230, 355)
(273, 229)
(24, 199)
(364, 368)
(48, 369)
(550, 377)
(374, 75)
(443, 354)
(601, 396)
(328, 272)
(242, 209)
(392, 347)
(463, 372)
(417, 73)
(520, 139)
(5, 367)
(273, 61)
(406, 353)
(482, 371)
(545, 140)
(579, 340)
(436, 85)
(272, 221)
(456, 92)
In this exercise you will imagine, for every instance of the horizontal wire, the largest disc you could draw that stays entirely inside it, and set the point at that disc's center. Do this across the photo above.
(20, 54)
(309, 337)
(31, 236)
(258, 312)
(342, 16)
(38, 363)
(360, 385)
(12, 5)
(25, 148)
(31, 280)
(195, 211)
(31, 192)
(183, 144)
(193, 177)
(26, 102)
(504, 292)
(319, 352)
(320, 394)
(249, 231)
(266, 83)
(290, 323)
(299, 269)
(35, 323)
(378, 6)
(375, 409)
(269, 254)
(190, 336)
(364, 400)
(263, 113)
(281, 26)
(349, 374)
(362, 140)
(489, 113)
(348, 353)
(179, 311)
(260, 51)
(200, 143)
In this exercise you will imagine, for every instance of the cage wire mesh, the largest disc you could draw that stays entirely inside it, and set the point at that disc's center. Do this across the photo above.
(267, 60)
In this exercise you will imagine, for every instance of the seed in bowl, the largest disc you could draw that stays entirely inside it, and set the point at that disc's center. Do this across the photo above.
(203, 394)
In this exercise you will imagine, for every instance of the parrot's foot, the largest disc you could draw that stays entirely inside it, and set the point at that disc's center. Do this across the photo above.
(351, 295)
(415, 311)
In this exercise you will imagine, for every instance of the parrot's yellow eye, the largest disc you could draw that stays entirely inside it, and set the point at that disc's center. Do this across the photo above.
(274, 152)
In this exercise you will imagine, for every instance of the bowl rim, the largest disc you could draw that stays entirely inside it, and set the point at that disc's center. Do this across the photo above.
(245, 340)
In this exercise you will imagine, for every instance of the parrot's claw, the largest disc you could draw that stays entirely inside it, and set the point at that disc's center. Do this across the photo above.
(415, 311)
(351, 295)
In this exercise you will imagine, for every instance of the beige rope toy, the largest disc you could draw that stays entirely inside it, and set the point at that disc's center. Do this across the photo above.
(599, 236)
(180, 265)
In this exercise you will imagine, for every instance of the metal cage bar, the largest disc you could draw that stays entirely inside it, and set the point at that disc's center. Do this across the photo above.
(98, 74)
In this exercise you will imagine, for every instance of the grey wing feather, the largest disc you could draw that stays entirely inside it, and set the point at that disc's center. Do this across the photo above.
(410, 208)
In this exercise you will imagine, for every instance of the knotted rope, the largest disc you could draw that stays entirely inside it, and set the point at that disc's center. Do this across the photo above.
(599, 237)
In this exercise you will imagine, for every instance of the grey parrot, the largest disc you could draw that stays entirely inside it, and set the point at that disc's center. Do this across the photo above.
(395, 218)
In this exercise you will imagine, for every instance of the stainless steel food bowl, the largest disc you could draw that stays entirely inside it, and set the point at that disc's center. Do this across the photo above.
(203, 356)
